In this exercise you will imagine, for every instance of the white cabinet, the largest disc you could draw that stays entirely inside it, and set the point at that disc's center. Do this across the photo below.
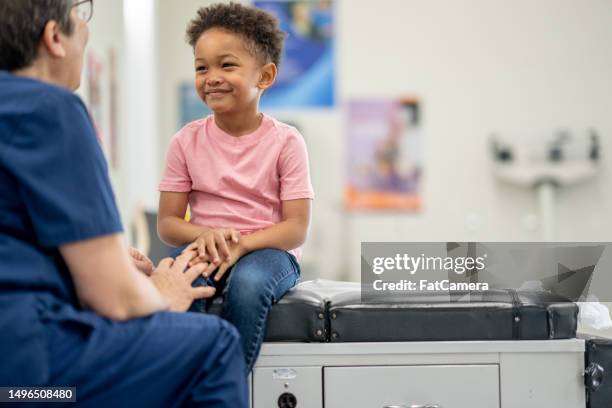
(470, 374)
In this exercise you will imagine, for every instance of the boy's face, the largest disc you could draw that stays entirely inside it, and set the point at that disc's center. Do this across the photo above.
(228, 77)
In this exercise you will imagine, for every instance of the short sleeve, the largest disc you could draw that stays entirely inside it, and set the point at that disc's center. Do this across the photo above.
(294, 170)
(61, 173)
(176, 176)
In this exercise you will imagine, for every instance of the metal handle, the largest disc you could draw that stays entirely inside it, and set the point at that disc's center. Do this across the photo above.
(594, 376)
(414, 406)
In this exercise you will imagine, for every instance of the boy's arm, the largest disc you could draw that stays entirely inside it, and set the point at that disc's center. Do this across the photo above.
(175, 231)
(288, 234)
(171, 225)
(295, 193)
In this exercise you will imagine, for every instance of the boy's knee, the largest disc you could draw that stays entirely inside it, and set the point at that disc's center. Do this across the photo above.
(247, 289)
(262, 259)
(244, 278)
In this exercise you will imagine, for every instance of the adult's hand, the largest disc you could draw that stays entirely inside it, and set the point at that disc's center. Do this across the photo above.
(174, 283)
(141, 261)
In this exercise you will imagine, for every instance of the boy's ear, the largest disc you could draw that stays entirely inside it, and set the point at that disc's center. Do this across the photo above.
(268, 76)
(51, 40)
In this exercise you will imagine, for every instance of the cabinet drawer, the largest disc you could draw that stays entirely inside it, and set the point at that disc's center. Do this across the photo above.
(448, 386)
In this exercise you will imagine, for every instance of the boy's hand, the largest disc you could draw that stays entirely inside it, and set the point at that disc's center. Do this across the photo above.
(141, 261)
(237, 250)
(212, 246)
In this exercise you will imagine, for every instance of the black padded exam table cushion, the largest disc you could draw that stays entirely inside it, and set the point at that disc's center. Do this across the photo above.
(330, 311)
(489, 315)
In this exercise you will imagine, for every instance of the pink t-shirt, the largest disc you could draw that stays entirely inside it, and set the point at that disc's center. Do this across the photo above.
(238, 182)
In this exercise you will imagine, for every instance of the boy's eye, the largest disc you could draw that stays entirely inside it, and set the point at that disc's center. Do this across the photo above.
(228, 64)
(200, 69)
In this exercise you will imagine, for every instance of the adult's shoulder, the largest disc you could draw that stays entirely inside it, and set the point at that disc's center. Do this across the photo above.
(55, 98)
(23, 96)
(41, 114)
(66, 115)
(40, 94)
(38, 120)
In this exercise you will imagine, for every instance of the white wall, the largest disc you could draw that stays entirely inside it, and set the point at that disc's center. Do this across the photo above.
(106, 33)
(521, 68)
(129, 28)
(142, 100)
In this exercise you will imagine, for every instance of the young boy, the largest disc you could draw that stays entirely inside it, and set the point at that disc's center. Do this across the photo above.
(243, 174)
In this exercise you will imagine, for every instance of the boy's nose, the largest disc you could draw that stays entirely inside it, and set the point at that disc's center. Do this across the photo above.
(214, 81)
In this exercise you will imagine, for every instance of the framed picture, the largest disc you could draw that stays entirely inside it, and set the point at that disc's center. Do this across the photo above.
(384, 158)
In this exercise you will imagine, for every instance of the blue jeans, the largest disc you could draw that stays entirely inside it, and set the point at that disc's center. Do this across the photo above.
(250, 288)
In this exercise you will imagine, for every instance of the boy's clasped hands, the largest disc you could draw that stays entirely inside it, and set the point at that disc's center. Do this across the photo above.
(219, 249)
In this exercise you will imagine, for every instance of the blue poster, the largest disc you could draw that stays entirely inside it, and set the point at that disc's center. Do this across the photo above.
(306, 72)
(191, 106)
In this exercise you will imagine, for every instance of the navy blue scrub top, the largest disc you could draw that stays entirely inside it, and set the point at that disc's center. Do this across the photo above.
(54, 189)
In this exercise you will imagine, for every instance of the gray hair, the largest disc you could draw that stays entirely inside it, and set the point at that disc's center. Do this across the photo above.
(22, 23)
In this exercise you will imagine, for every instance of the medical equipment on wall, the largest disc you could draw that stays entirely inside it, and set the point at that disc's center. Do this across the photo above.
(546, 165)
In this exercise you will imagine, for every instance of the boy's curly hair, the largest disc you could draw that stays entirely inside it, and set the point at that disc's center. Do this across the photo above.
(259, 29)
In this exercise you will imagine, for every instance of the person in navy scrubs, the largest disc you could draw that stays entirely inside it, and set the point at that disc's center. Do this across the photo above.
(76, 310)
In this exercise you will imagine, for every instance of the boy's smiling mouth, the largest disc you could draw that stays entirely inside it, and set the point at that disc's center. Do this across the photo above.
(217, 92)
